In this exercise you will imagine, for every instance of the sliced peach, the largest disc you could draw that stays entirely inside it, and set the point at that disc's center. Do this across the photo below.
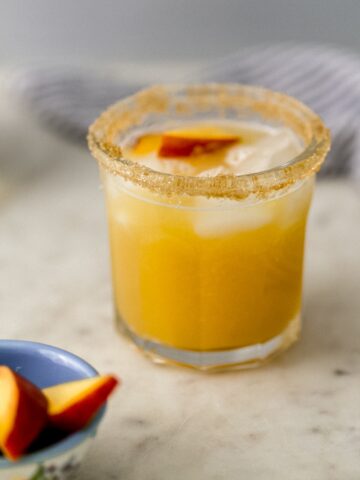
(180, 145)
(147, 144)
(72, 405)
(23, 413)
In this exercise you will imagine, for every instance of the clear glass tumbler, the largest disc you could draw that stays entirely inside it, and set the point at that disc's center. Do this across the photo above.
(207, 272)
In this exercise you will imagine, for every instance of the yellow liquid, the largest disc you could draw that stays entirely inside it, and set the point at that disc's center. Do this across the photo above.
(208, 275)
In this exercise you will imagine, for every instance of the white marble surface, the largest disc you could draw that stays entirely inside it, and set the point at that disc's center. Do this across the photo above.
(297, 418)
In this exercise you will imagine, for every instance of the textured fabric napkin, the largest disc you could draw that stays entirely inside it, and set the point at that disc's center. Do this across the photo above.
(327, 79)
(68, 99)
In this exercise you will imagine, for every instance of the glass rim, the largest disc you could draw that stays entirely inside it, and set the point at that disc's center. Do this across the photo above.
(181, 99)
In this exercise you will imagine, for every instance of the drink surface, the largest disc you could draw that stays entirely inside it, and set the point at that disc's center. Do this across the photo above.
(209, 149)
(218, 275)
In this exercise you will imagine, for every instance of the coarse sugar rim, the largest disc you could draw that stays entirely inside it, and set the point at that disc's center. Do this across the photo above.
(183, 101)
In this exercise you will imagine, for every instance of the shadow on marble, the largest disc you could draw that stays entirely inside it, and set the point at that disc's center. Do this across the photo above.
(331, 328)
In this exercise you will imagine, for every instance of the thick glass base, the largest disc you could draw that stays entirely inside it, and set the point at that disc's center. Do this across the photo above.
(215, 360)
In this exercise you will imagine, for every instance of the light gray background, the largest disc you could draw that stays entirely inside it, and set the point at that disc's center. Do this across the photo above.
(139, 30)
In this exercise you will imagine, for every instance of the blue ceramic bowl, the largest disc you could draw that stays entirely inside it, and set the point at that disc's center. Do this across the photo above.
(45, 366)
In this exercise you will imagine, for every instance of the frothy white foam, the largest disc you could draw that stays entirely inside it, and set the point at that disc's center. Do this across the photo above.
(262, 147)
(270, 150)
(175, 167)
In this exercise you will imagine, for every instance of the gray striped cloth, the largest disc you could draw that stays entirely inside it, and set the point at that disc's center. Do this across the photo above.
(68, 99)
(327, 79)
(324, 78)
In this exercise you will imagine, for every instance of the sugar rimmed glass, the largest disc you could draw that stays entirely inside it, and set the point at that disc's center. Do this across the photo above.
(207, 272)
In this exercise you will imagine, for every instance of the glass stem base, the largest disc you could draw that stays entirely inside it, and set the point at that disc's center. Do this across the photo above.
(215, 360)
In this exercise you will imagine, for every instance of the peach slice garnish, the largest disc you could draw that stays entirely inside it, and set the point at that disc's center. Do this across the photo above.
(72, 405)
(189, 143)
(23, 413)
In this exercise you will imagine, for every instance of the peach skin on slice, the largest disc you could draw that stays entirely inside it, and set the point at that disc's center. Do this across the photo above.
(72, 405)
(179, 145)
(23, 413)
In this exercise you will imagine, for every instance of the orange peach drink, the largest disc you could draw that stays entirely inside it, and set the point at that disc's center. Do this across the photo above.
(202, 280)
(206, 280)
